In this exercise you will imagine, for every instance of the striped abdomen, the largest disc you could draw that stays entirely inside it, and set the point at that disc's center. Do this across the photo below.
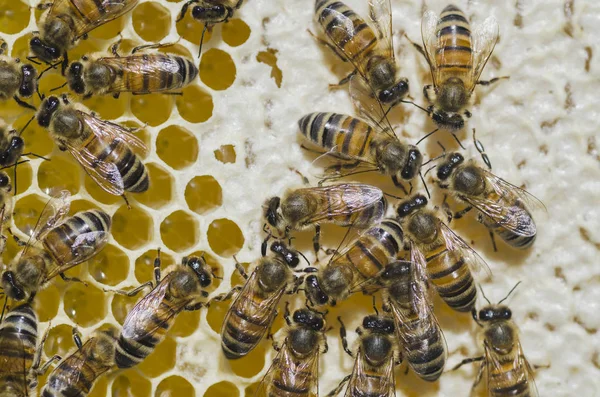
(147, 73)
(508, 380)
(61, 240)
(297, 381)
(452, 278)
(516, 213)
(453, 54)
(18, 344)
(374, 249)
(132, 170)
(346, 29)
(343, 135)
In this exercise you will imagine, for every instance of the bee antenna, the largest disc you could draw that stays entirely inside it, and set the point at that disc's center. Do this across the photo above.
(15, 164)
(59, 87)
(510, 292)
(26, 125)
(392, 196)
(304, 257)
(51, 66)
(484, 297)
(429, 169)
(424, 184)
(375, 306)
(414, 104)
(427, 136)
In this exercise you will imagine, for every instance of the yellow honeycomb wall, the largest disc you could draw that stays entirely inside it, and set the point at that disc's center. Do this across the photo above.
(229, 142)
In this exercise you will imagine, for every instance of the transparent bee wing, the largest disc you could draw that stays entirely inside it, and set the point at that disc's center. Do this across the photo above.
(108, 132)
(510, 191)
(368, 105)
(106, 175)
(380, 13)
(509, 216)
(361, 379)
(484, 39)
(455, 243)
(431, 44)
(84, 247)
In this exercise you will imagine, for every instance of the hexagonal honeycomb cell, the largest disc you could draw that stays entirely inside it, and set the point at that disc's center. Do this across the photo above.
(217, 69)
(160, 192)
(179, 231)
(177, 147)
(151, 21)
(203, 193)
(225, 237)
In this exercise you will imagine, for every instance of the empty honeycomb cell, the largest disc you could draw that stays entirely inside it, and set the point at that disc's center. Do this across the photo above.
(235, 32)
(216, 314)
(151, 21)
(222, 389)
(225, 237)
(161, 360)
(110, 266)
(14, 16)
(225, 154)
(175, 386)
(217, 69)
(191, 30)
(24, 177)
(160, 192)
(122, 304)
(203, 193)
(85, 305)
(185, 323)
(250, 365)
(59, 341)
(153, 109)
(20, 48)
(144, 265)
(98, 193)
(27, 212)
(215, 267)
(269, 57)
(132, 228)
(61, 172)
(131, 383)
(179, 231)
(177, 147)
(46, 303)
(195, 105)
(107, 107)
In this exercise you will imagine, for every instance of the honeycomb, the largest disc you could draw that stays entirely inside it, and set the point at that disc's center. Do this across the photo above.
(229, 142)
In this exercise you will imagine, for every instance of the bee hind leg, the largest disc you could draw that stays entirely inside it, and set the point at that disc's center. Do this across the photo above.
(24, 104)
(72, 279)
(477, 379)
(418, 47)
(492, 81)
(226, 296)
(77, 338)
(152, 46)
(467, 361)
(328, 45)
(343, 337)
(343, 81)
(339, 387)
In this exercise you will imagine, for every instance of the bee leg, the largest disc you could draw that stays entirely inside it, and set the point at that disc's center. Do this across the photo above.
(226, 296)
(461, 213)
(206, 26)
(43, 6)
(418, 47)
(286, 314)
(339, 387)
(37, 358)
(77, 338)
(399, 184)
(446, 209)
(65, 64)
(344, 338)
(467, 361)
(478, 378)
(492, 81)
(134, 291)
(493, 241)
(24, 104)
(184, 9)
(481, 150)
(317, 239)
(194, 307)
(297, 283)
(115, 46)
(326, 44)
(71, 279)
(343, 81)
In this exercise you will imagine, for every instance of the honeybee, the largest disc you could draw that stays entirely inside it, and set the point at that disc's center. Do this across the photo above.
(136, 73)
(375, 358)
(210, 12)
(368, 47)
(456, 57)
(508, 373)
(76, 374)
(66, 242)
(180, 288)
(405, 294)
(447, 258)
(295, 369)
(66, 21)
(503, 207)
(17, 80)
(252, 312)
(361, 261)
(103, 149)
(349, 204)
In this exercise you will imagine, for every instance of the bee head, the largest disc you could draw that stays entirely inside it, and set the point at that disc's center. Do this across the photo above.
(313, 290)
(28, 81)
(494, 312)
(413, 163)
(396, 270)
(201, 268)
(447, 167)
(290, 256)
(75, 78)
(45, 52)
(412, 204)
(47, 109)
(379, 324)
(271, 211)
(448, 120)
(11, 286)
(309, 318)
(393, 95)
(209, 13)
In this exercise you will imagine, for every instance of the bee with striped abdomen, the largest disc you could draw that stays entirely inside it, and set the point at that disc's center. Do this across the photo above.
(456, 57)
(17, 80)
(508, 373)
(445, 257)
(66, 242)
(252, 312)
(136, 73)
(76, 374)
(295, 369)
(210, 12)
(66, 21)
(103, 149)
(368, 47)
(406, 295)
(503, 207)
(181, 287)
(361, 261)
(354, 205)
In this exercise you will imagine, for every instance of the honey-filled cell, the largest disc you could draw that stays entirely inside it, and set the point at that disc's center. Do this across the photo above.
(20, 48)
(14, 16)
(225, 237)
(60, 173)
(46, 303)
(174, 386)
(107, 107)
(27, 212)
(151, 21)
(222, 389)
(59, 341)
(121, 304)
(85, 305)
(177, 147)
(203, 193)
(110, 30)
(161, 360)
(160, 192)
(153, 109)
(191, 30)
(144, 265)
(186, 323)
(225, 154)
(131, 383)
(110, 266)
(132, 228)
(235, 32)
(195, 105)
(179, 231)
(216, 314)
(217, 69)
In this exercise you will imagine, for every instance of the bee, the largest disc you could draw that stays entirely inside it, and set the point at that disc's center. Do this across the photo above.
(66, 242)
(361, 261)
(405, 294)
(66, 21)
(210, 12)
(447, 258)
(350, 204)
(295, 369)
(136, 73)
(76, 374)
(20, 353)
(508, 372)
(103, 149)
(254, 309)
(456, 57)
(375, 358)
(180, 288)
(503, 207)
(368, 47)
(17, 80)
